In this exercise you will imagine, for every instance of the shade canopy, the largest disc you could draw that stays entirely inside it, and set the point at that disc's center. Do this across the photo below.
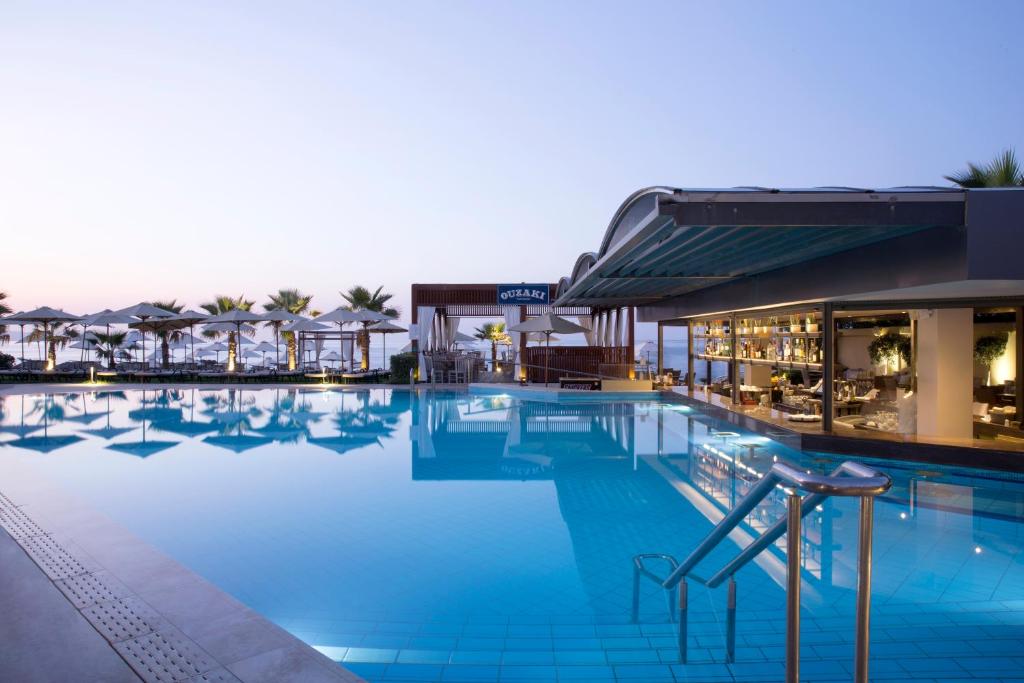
(216, 346)
(549, 323)
(305, 325)
(191, 317)
(108, 317)
(145, 310)
(45, 314)
(280, 315)
(340, 316)
(265, 347)
(386, 327)
(367, 316)
(236, 315)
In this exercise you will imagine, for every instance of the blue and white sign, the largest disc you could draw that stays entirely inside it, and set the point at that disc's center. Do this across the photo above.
(522, 295)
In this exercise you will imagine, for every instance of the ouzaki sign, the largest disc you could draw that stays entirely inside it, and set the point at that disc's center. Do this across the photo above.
(522, 295)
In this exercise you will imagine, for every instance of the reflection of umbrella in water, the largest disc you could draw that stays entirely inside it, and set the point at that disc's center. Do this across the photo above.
(237, 442)
(187, 427)
(146, 448)
(108, 432)
(45, 443)
(342, 443)
(21, 429)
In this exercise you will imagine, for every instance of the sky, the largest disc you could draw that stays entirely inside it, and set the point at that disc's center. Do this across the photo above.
(187, 149)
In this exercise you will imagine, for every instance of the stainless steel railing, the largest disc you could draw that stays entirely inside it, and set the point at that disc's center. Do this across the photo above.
(851, 479)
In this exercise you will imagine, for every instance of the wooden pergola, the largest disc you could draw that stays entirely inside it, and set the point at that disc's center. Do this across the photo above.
(482, 301)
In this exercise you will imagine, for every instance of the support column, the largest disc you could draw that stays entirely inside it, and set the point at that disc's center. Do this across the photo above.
(945, 368)
(690, 382)
(524, 371)
(734, 368)
(828, 366)
(661, 347)
(1019, 312)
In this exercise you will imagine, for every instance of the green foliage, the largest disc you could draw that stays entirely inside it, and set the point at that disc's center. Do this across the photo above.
(1003, 171)
(988, 348)
(493, 332)
(6, 361)
(291, 300)
(401, 363)
(360, 298)
(889, 347)
(795, 376)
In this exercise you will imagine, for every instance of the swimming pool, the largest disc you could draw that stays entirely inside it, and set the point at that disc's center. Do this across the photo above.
(443, 536)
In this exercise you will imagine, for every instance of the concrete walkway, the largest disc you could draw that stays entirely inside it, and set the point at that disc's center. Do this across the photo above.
(82, 599)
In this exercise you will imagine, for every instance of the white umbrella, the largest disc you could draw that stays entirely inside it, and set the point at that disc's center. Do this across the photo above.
(342, 316)
(331, 356)
(304, 325)
(547, 324)
(46, 315)
(367, 318)
(384, 328)
(144, 311)
(276, 317)
(106, 317)
(265, 347)
(216, 348)
(236, 316)
(191, 318)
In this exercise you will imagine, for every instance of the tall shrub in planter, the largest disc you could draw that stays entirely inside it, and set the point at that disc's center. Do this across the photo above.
(401, 364)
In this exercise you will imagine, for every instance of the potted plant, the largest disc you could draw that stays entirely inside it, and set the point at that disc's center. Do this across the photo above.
(987, 349)
(890, 348)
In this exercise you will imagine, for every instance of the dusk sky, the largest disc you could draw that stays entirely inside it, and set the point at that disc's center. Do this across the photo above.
(181, 150)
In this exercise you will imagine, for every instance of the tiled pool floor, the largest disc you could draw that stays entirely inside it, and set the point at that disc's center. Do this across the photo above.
(444, 537)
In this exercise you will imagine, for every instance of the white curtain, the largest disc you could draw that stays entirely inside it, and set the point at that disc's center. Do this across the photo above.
(513, 317)
(617, 340)
(588, 322)
(451, 328)
(609, 328)
(424, 332)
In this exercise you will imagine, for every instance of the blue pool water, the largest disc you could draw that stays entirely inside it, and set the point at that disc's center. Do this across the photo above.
(450, 537)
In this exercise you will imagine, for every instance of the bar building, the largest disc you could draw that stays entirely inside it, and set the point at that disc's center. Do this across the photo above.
(844, 315)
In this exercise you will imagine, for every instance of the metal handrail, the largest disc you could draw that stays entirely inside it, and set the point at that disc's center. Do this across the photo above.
(850, 479)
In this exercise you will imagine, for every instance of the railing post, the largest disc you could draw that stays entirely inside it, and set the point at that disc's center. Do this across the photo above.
(682, 621)
(793, 589)
(636, 594)
(730, 623)
(863, 637)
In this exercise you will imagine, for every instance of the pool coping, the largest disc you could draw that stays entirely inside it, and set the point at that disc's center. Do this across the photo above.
(150, 609)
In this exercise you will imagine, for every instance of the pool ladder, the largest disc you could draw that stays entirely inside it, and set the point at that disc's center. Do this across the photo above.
(851, 479)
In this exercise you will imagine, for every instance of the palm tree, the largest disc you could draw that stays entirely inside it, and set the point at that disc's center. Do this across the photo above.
(108, 346)
(4, 310)
(225, 304)
(293, 301)
(167, 336)
(57, 334)
(1003, 171)
(360, 298)
(494, 333)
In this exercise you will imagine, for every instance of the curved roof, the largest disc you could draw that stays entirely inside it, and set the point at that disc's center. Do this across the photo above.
(664, 241)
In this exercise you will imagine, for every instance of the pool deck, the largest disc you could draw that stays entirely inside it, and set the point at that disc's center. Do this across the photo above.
(85, 600)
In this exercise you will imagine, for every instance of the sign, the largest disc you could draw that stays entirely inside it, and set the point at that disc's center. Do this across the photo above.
(580, 384)
(522, 295)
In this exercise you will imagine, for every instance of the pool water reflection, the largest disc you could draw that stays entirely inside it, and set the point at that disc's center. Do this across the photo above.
(443, 536)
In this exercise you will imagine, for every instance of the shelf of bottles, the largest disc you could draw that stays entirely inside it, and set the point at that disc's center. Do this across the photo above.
(712, 339)
(786, 341)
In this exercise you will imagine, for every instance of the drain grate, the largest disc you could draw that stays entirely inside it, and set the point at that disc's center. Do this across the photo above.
(90, 589)
(55, 561)
(215, 676)
(123, 619)
(17, 523)
(164, 656)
